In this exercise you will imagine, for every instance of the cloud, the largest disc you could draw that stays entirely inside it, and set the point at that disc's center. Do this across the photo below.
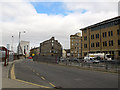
(20, 16)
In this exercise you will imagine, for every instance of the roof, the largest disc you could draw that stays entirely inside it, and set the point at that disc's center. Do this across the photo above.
(103, 22)
(34, 48)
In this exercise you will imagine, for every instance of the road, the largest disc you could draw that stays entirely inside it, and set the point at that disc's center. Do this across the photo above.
(59, 76)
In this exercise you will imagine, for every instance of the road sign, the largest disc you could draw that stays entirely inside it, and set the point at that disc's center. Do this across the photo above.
(33, 54)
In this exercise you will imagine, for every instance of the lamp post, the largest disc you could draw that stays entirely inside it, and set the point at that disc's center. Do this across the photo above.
(12, 48)
(19, 43)
(12, 43)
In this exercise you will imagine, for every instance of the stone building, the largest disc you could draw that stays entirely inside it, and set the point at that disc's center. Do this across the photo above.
(51, 47)
(76, 45)
(103, 37)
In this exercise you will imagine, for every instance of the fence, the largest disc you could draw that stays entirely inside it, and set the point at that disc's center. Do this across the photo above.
(102, 66)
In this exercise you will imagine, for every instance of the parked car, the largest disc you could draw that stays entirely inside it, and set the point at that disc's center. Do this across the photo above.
(62, 59)
(74, 60)
(30, 57)
(95, 61)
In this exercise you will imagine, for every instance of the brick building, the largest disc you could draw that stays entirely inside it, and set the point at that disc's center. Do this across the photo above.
(76, 45)
(102, 37)
(51, 47)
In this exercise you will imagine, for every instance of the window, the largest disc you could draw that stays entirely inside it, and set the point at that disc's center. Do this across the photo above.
(85, 45)
(118, 42)
(85, 38)
(111, 43)
(52, 44)
(85, 54)
(119, 53)
(111, 33)
(92, 36)
(52, 40)
(97, 35)
(52, 47)
(118, 32)
(92, 44)
(103, 34)
(105, 43)
(97, 44)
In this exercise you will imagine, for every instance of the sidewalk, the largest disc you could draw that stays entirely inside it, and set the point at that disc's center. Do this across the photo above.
(9, 83)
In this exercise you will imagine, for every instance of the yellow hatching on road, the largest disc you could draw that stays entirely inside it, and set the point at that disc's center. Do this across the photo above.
(43, 78)
(32, 83)
(12, 72)
(52, 84)
(14, 78)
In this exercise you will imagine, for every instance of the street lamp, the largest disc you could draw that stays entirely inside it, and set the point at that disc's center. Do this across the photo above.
(19, 41)
(12, 43)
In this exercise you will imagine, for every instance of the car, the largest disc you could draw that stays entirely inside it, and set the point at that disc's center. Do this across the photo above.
(95, 61)
(62, 59)
(30, 57)
(74, 60)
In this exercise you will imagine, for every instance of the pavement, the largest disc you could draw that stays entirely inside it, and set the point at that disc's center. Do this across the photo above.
(11, 83)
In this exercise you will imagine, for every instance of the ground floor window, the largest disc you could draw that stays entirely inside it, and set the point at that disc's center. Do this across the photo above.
(119, 53)
(85, 54)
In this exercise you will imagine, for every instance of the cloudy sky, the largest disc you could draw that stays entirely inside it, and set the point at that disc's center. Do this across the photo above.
(42, 19)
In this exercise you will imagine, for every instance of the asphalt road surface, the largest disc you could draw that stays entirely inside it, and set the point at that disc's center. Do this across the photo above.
(59, 76)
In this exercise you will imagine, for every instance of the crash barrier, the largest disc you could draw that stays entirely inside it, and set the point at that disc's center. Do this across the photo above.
(110, 66)
(47, 59)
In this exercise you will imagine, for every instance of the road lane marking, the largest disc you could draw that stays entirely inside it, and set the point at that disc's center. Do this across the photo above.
(37, 73)
(32, 83)
(43, 78)
(13, 72)
(51, 84)
(33, 70)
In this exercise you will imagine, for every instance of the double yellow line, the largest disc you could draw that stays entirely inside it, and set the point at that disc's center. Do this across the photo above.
(14, 78)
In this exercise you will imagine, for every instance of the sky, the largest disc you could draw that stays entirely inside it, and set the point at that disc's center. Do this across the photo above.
(43, 19)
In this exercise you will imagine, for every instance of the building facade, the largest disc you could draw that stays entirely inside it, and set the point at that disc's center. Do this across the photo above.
(35, 50)
(103, 37)
(51, 47)
(63, 53)
(23, 48)
(66, 53)
(76, 45)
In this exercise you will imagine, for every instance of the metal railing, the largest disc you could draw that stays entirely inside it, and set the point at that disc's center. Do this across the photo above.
(101, 66)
